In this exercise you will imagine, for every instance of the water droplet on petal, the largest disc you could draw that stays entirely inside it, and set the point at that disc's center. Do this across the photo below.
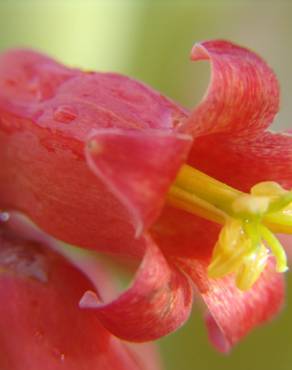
(33, 85)
(57, 353)
(65, 114)
(4, 216)
(26, 260)
(34, 88)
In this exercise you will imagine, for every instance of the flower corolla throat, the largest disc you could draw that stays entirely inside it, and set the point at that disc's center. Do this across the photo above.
(249, 221)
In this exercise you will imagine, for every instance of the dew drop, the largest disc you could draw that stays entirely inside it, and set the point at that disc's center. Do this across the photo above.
(34, 88)
(33, 85)
(4, 216)
(58, 354)
(65, 114)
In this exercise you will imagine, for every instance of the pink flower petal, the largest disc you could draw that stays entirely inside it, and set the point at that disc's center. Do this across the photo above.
(44, 172)
(242, 161)
(138, 167)
(233, 313)
(243, 95)
(158, 301)
(42, 326)
(107, 100)
(74, 102)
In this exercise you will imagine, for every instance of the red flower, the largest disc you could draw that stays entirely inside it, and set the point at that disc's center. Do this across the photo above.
(41, 324)
(111, 196)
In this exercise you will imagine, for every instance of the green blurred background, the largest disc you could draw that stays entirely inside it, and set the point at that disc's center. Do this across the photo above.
(150, 40)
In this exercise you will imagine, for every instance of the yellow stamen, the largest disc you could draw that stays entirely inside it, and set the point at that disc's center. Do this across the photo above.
(251, 268)
(229, 250)
(249, 220)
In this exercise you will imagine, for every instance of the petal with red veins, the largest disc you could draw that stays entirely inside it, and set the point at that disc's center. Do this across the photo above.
(73, 102)
(59, 192)
(158, 301)
(243, 95)
(42, 326)
(107, 100)
(233, 313)
(43, 170)
(242, 161)
(138, 167)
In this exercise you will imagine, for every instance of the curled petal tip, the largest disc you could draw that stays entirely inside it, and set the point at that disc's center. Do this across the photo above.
(89, 300)
(198, 52)
(243, 93)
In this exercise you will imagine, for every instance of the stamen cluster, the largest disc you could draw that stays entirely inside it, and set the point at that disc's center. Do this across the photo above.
(247, 238)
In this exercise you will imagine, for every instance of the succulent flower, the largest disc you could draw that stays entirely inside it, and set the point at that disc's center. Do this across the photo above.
(103, 162)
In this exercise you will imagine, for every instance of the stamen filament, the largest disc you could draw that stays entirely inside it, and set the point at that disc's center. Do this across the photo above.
(206, 187)
(279, 222)
(189, 202)
(251, 268)
(276, 248)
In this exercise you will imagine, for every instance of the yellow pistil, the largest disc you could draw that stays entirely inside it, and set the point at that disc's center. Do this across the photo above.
(249, 222)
